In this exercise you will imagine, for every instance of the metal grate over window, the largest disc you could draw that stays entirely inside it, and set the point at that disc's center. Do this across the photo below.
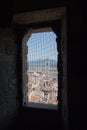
(42, 60)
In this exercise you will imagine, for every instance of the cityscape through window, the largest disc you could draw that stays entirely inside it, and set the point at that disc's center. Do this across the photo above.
(42, 60)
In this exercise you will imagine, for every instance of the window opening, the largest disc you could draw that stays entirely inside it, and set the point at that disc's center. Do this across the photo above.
(42, 72)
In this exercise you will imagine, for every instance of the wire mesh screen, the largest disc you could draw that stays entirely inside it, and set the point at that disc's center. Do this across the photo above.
(42, 68)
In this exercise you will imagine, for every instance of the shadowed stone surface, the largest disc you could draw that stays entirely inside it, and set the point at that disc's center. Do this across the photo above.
(8, 79)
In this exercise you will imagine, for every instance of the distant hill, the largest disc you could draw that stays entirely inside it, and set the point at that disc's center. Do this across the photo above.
(41, 63)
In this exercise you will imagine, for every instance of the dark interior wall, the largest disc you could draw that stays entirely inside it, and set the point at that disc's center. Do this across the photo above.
(6, 13)
(36, 5)
(77, 74)
(8, 78)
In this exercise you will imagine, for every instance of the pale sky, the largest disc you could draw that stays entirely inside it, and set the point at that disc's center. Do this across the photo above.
(41, 46)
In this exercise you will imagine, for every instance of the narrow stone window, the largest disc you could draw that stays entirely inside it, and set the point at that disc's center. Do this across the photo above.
(42, 71)
(56, 18)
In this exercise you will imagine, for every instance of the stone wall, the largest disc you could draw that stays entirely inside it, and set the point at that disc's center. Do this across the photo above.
(8, 78)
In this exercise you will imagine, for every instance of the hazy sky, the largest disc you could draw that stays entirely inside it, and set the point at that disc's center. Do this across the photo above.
(41, 46)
